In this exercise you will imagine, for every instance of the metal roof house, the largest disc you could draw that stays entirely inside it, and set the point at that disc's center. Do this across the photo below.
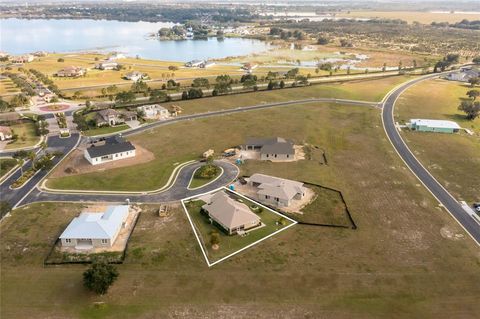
(95, 229)
(440, 126)
(273, 148)
(276, 191)
(115, 148)
(230, 214)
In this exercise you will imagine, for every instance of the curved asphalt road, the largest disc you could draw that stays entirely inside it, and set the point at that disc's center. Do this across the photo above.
(437, 190)
(177, 191)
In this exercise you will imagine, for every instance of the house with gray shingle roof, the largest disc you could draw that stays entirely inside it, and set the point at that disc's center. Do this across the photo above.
(276, 191)
(230, 214)
(272, 149)
(95, 229)
(115, 148)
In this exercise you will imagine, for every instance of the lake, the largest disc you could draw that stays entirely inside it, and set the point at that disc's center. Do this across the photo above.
(19, 36)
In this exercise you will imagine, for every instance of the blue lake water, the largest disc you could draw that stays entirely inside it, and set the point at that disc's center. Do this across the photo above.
(20, 36)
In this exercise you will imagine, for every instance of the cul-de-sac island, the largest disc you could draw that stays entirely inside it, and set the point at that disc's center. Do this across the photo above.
(219, 159)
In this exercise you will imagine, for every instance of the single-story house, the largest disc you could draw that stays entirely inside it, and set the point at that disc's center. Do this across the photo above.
(71, 71)
(230, 214)
(249, 67)
(440, 126)
(194, 63)
(276, 191)
(5, 133)
(135, 76)
(95, 229)
(273, 148)
(114, 149)
(154, 111)
(113, 117)
(108, 117)
(22, 58)
(106, 65)
(464, 74)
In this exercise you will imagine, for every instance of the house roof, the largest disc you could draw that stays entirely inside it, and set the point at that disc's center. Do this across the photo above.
(272, 145)
(97, 225)
(435, 123)
(113, 145)
(5, 130)
(277, 187)
(278, 148)
(228, 212)
(108, 112)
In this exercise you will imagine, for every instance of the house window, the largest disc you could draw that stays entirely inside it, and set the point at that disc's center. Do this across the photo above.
(288, 156)
(267, 196)
(276, 198)
(275, 155)
(267, 155)
(68, 240)
(104, 241)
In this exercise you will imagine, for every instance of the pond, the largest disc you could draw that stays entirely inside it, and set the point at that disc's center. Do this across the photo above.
(19, 36)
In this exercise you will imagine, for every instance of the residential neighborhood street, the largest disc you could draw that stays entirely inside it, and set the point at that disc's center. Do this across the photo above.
(438, 191)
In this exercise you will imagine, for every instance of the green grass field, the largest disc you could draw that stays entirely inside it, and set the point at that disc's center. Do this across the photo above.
(26, 135)
(231, 243)
(452, 159)
(106, 130)
(6, 164)
(198, 181)
(186, 141)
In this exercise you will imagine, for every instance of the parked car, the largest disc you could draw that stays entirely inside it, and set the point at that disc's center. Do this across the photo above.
(477, 207)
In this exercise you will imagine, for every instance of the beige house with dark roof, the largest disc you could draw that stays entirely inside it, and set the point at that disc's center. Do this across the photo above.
(230, 214)
(276, 191)
(5, 133)
(71, 71)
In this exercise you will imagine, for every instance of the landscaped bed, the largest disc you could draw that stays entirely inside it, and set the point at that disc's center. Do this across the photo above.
(204, 175)
(229, 244)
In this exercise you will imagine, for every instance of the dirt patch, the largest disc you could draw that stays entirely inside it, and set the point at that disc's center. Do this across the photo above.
(448, 233)
(76, 164)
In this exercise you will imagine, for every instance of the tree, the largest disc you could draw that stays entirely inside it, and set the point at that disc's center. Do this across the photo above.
(472, 81)
(195, 93)
(291, 74)
(99, 277)
(476, 60)
(125, 97)
(473, 94)
(184, 95)
(157, 95)
(60, 60)
(214, 239)
(323, 40)
(471, 108)
(282, 84)
(173, 68)
(201, 82)
(19, 100)
(140, 87)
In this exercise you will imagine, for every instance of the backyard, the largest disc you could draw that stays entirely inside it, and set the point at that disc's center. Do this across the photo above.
(229, 244)
(451, 158)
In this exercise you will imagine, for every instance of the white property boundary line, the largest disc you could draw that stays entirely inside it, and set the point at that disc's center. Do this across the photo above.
(294, 222)
(393, 118)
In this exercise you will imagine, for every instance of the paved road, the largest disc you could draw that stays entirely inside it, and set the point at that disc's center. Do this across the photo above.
(54, 143)
(438, 191)
(176, 192)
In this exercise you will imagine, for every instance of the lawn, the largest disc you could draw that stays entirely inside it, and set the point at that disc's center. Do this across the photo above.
(451, 158)
(198, 180)
(231, 243)
(26, 135)
(327, 208)
(6, 164)
(367, 90)
(106, 130)
(188, 140)
(7, 86)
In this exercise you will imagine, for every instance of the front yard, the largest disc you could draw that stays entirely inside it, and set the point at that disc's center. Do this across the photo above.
(27, 135)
